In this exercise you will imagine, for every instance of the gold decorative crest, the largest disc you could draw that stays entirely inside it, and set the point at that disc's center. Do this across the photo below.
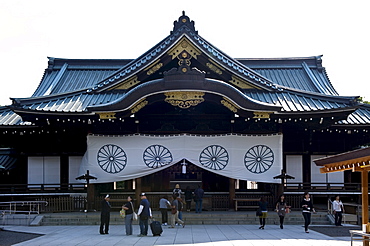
(141, 104)
(184, 45)
(127, 83)
(184, 99)
(214, 68)
(229, 105)
(154, 68)
(241, 83)
(261, 115)
(110, 115)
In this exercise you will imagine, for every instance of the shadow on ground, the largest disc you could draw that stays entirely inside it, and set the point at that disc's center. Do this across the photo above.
(8, 238)
(335, 231)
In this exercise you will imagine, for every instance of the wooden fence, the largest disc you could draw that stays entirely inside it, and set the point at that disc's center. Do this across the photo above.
(215, 201)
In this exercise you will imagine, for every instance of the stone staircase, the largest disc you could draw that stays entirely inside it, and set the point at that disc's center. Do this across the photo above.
(190, 218)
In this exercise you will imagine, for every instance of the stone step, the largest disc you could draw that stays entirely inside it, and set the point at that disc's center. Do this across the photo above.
(226, 217)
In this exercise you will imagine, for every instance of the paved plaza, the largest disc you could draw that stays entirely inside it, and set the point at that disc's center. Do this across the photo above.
(205, 235)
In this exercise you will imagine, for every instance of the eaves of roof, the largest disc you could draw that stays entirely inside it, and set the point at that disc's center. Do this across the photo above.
(9, 118)
(297, 101)
(351, 157)
(360, 117)
(67, 103)
(210, 86)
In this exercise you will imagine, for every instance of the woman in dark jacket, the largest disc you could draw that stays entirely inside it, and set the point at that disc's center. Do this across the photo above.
(307, 209)
(188, 198)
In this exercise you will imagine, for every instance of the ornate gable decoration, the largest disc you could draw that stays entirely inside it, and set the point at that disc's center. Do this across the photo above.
(184, 99)
(184, 49)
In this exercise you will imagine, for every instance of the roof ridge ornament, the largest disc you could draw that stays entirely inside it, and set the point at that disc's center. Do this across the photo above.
(183, 20)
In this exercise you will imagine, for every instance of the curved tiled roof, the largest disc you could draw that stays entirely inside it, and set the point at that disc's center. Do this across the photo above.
(295, 84)
(69, 75)
(9, 118)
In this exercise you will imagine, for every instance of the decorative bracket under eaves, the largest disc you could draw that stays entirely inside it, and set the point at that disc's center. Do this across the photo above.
(261, 115)
(104, 116)
(141, 104)
(229, 105)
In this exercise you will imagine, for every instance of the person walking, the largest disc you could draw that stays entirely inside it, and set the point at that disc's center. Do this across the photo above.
(282, 208)
(105, 215)
(144, 213)
(263, 207)
(338, 209)
(175, 212)
(163, 206)
(307, 209)
(129, 210)
(188, 197)
(198, 198)
(180, 205)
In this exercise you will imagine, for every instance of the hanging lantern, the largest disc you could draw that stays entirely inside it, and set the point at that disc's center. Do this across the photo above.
(183, 167)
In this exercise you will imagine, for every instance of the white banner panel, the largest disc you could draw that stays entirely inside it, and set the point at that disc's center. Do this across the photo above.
(244, 157)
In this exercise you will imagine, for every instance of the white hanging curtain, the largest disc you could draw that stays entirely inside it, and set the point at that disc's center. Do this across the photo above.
(244, 157)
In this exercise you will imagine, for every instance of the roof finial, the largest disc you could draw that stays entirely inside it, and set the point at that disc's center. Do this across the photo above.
(184, 21)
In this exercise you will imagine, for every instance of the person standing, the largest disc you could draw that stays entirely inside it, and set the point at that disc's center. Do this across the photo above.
(144, 213)
(105, 215)
(263, 207)
(177, 190)
(338, 209)
(129, 210)
(281, 209)
(307, 209)
(163, 206)
(198, 198)
(175, 212)
(188, 197)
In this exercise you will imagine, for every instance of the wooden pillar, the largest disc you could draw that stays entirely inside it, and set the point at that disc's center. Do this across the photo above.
(137, 190)
(90, 197)
(231, 193)
(365, 202)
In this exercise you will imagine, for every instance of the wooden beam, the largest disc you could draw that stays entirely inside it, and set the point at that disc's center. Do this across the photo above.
(365, 203)
(231, 193)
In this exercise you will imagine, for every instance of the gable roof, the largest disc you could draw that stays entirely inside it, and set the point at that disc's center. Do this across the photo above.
(79, 85)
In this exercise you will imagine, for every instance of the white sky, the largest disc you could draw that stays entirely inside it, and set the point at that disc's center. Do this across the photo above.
(31, 31)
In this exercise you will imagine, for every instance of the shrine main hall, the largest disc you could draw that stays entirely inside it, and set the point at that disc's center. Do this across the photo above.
(186, 113)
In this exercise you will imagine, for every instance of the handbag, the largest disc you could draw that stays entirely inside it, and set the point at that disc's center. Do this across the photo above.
(173, 211)
(122, 213)
(134, 215)
(259, 212)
